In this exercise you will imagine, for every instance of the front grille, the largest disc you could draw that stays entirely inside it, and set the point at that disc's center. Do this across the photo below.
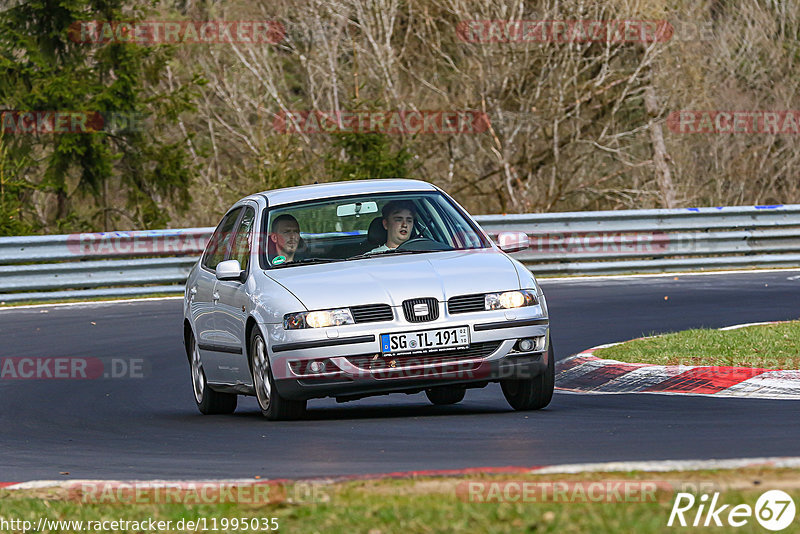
(412, 317)
(372, 313)
(466, 303)
(378, 362)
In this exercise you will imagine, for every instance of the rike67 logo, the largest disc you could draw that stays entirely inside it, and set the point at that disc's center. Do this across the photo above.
(774, 510)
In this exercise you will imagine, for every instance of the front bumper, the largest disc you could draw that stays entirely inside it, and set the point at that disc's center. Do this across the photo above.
(405, 381)
(355, 366)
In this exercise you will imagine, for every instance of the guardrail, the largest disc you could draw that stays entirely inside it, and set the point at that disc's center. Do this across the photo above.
(116, 264)
(646, 241)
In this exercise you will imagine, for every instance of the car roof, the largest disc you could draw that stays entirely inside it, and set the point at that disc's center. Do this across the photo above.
(302, 193)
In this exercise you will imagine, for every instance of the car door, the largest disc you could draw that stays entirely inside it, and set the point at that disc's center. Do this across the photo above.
(202, 291)
(230, 310)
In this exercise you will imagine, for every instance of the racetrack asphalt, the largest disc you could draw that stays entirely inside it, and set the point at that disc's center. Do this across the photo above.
(138, 428)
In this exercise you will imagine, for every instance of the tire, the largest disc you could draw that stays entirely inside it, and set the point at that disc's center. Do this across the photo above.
(444, 395)
(273, 406)
(531, 393)
(208, 401)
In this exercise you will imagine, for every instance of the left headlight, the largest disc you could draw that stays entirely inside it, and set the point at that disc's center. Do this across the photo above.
(510, 299)
(317, 319)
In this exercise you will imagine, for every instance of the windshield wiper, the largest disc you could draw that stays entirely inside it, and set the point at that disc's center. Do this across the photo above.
(306, 261)
(383, 252)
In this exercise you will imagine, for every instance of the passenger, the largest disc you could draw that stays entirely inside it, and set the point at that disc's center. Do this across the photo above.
(283, 239)
(398, 220)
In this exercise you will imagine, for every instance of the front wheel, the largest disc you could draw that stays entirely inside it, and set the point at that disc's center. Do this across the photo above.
(208, 401)
(531, 393)
(273, 406)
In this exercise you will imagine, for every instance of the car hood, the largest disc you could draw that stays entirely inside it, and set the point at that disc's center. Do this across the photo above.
(393, 279)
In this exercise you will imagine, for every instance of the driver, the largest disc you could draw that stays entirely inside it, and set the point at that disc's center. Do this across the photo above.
(398, 220)
(284, 238)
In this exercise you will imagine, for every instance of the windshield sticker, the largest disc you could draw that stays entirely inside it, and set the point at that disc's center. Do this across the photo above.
(278, 260)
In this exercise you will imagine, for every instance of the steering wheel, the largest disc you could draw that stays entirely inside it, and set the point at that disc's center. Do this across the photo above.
(423, 243)
(411, 241)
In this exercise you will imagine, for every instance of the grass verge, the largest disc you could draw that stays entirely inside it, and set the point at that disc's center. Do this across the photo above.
(590, 502)
(774, 346)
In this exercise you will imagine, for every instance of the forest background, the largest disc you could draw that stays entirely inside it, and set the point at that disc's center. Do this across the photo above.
(570, 124)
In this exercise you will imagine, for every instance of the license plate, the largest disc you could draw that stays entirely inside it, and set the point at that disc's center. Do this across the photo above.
(444, 338)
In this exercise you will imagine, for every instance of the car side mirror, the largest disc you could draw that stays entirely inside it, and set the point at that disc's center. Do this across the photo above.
(513, 241)
(229, 270)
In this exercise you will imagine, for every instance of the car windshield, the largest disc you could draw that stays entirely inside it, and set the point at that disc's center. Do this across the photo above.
(364, 227)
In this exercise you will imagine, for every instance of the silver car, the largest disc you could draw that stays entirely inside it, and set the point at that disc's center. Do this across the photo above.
(353, 289)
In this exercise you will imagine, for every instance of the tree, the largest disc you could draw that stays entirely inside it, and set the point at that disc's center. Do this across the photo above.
(123, 174)
(12, 190)
(358, 156)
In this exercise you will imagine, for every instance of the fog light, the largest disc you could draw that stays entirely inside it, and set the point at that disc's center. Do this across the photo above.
(316, 367)
(526, 345)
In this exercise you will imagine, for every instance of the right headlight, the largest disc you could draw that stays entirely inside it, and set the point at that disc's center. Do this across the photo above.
(510, 299)
(317, 319)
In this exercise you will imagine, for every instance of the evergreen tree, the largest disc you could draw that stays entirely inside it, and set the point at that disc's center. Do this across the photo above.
(366, 155)
(121, 175)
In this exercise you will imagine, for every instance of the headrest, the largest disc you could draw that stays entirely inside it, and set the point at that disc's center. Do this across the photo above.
(376, 235)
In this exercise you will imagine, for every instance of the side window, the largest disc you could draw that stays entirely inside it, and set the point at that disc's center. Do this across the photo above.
(244, 238)
(218, 244)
